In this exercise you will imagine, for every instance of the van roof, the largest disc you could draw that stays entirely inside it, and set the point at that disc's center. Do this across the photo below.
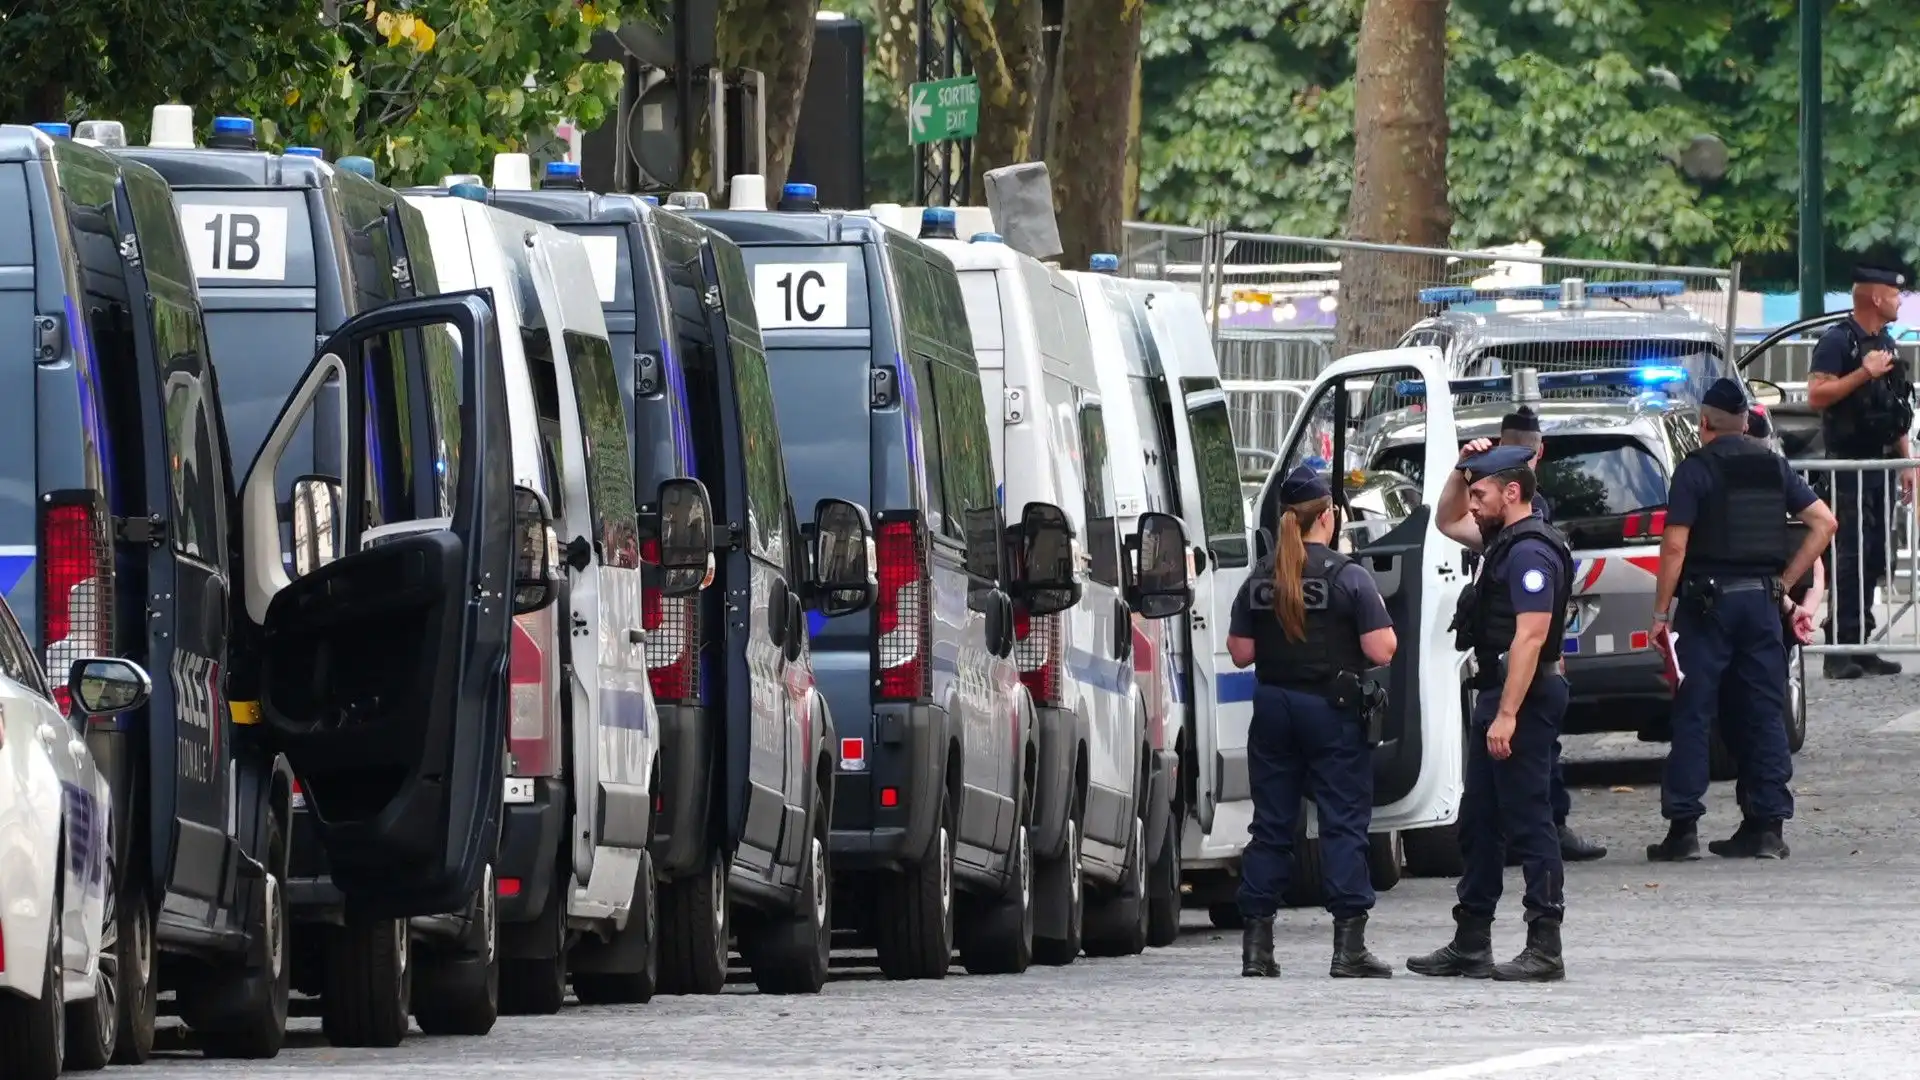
(202, 167)
(747, 227)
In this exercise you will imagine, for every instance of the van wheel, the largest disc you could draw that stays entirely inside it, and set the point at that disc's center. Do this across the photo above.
(1432, 852)
(32, 1032)
(693, 925)
(1385, 853)
(369, 983)
(643, 920)
(93, 1025)
(1305, 886)
(537, 986)
(1060, 879)
(1225, 916)
(460, 990)
(139, 987)
(1721, 764)
(791, 954)
(1000, 940)
(1118, 926)
(259, 1028)
(1796, 701)
(913, 931)
(1163, 893)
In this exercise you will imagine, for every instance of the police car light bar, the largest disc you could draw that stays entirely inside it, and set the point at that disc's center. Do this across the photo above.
(1651, 378)
(1447, 295)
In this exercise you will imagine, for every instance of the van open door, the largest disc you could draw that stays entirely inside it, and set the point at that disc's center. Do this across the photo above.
(1351, 407)
(382, 671)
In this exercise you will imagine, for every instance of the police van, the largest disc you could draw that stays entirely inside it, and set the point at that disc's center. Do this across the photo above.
(137, 541)
(286, 248)
(1053, 446)
(879, 401)
(740, 839)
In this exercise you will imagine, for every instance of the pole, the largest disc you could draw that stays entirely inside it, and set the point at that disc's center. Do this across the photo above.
(1813, 240)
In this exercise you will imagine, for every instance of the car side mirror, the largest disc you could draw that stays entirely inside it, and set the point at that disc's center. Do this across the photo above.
(844, 565)
(536, 555)
(104, 685)
(684, 536)
(1161, 585)
(1050, 560)
(1766, 393)
(316, 522)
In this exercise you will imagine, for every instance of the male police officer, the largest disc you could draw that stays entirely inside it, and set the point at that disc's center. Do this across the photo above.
(1522, 428)
(1866, 407)
(1513, 619)
(1724, 554)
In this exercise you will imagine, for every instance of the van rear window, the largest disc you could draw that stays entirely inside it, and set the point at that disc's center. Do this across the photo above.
(820, 287)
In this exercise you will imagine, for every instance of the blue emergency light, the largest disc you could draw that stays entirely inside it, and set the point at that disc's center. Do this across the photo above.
(55, 129)
(799, 198)
(562, 174)
(937, 223)
(1651, 378)
(474, 192)
(650, 200)
(232, 133)
(1446, 295)
(354, 163)
(305, 151)
(987, 238)
(1104, 262)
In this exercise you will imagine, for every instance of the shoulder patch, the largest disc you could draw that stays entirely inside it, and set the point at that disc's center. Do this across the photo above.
(1533, 581)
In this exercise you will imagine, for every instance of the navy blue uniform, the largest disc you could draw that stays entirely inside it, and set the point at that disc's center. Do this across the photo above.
(1562, 802)
(1510, 800)
(1859, 499)
(1732, 666)
(1300, 743)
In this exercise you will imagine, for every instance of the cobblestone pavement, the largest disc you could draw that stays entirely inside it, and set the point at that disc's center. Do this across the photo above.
(1804, 969)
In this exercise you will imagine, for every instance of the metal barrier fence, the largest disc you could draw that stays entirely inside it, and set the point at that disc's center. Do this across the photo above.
(1878, 530)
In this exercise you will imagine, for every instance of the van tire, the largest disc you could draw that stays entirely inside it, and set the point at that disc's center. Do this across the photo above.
(1385, 855)
(1164, 900)
(367, 999)
(33, 1033)
(1062, 877)
(259, 1029)
(1721, 764)
(630, 987)
(537, 986)
(1305, 884)
(694, 920)
(792, 953)
(913, 924)
(1117, 926)
(1434, 852)
(1796, 700)
(457, 992)
(999, 941)
(93, 1026)
(139, 996)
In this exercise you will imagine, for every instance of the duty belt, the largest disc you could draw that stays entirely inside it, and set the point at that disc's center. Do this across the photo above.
(1743, 583)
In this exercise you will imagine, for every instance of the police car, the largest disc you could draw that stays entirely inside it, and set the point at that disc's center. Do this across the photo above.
(59, 949)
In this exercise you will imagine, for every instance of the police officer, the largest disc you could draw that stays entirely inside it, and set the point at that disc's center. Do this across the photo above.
(1513, 619)
(1724, 555)
(1866, 407)
(1310, 621)
(1522, 428)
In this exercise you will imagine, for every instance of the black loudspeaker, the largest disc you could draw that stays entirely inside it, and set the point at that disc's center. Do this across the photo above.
(830, 147)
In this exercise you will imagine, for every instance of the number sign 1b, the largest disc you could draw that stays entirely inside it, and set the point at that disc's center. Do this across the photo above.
(236, 241)
(804, 295)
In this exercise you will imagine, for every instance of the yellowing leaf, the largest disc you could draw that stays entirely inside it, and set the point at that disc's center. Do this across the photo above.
(406, 25)
(293, 97)
(372, 6)
(424, 37)
(384, 24)
(590, 15)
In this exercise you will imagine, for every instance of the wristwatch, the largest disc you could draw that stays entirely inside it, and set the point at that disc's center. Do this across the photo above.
(1663, 616)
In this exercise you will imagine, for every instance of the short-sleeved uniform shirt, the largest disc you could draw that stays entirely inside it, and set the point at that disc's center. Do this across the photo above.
(1838, 353)
(1532, 574)
(1353, 590)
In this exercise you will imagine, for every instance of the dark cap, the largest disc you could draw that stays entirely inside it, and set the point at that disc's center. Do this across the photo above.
(1758, 425)
(1725, 395)
(1303, 485)
(1869, 274)
(1497, 460)
(1521, 420)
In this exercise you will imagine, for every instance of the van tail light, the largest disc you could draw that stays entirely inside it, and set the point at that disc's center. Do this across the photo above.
(1647, 525)
(533, 729)
(673, 632)
(903, 640)
(1037, 653)
(76, 587)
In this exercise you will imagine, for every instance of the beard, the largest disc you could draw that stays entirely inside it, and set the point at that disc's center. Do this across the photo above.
(1489, 525)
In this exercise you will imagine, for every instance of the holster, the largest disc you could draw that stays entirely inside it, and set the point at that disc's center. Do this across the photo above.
(1366, 699)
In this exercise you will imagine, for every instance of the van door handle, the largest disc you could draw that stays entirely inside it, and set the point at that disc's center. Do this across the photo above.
(635, 636)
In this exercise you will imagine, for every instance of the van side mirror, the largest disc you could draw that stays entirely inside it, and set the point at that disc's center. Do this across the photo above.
(1161, 584)
(536, 552)
(104, 685)
(317, 506)
(844, 566)
(1049, 562)
(684, 536)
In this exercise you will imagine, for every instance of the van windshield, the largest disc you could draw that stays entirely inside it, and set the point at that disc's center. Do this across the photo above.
(820, 397)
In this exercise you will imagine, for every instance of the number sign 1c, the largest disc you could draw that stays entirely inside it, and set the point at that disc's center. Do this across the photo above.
(236, 241)
(809, 295)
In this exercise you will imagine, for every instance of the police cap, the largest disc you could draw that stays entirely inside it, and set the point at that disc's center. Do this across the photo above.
(1522, 420)
(1303, 485)
(1725, 395)
(1758, 425)
(1497, 460)
(1869, 274)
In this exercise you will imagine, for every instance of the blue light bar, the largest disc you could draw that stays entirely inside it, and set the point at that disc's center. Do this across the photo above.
(355, 163)
(1595, 290)
(1652, 378)
(305, 151)
(799, 191)
(562, 168)
(1104, 262)
(55, 129)
(468, 191)
(987, 238)
(233, 125)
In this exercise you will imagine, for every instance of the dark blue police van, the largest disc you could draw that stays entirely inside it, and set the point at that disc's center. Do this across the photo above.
(370, 677)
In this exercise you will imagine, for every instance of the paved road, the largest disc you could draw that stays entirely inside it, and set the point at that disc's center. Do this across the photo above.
(1804, 969)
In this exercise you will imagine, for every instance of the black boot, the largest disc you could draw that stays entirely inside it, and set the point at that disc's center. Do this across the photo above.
(1256, 950)
(1841, 667)
(1469, 954)
(1752, 840)
(1681, 845)
(1577, 848)
(1540, 960)
(1876, 665)
(1351, 960)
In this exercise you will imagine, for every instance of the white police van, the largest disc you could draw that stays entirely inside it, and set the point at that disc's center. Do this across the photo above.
(1037, 370)
(581, 689)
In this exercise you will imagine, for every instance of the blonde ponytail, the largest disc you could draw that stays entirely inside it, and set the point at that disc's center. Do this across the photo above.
(1290, 560)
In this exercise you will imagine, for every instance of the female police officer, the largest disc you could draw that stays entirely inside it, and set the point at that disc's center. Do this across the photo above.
(1310, 622)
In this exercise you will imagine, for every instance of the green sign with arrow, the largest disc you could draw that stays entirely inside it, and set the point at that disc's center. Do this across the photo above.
(938, 111)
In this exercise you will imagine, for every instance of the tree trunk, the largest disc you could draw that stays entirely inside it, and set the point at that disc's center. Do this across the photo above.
(1399, 170)
(1004, 45)
(775, 38)
(1099, 55)
(1130, 209)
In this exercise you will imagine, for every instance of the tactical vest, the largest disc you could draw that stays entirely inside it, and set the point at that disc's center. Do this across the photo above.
(1868, 422)
(1332, 641)
(1742, 526)
(1494, 617)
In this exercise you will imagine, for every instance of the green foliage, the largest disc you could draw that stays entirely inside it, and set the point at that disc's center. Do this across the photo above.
(1568, 119)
